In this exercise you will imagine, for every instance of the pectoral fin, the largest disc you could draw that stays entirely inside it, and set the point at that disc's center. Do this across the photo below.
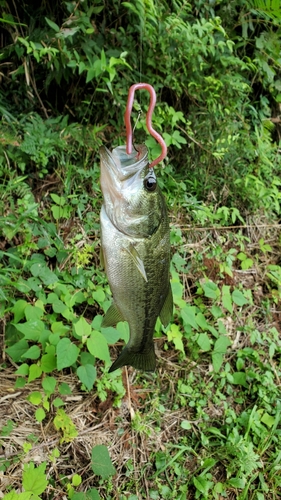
(167, 309)
(112, 316)
(137, 260)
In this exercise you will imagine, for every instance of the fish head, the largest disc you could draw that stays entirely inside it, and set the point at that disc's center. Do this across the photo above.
(132, 198)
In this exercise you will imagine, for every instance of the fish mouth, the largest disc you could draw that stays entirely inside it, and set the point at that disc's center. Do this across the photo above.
(120, 165)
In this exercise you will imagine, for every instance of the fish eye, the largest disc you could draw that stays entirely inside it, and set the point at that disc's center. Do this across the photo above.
(150, 183)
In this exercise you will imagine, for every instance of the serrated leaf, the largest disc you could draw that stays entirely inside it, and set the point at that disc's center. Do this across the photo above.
(239, 298)
(67, 353)
(87, 374)
(34, 478)
(101, 462)
(98, 346)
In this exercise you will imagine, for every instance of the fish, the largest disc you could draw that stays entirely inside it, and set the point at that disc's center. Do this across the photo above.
(135, 250)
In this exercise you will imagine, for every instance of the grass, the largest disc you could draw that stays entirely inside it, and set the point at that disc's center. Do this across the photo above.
(205, 425)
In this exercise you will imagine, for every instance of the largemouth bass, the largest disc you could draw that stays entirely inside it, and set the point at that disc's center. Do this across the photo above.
(135, 243)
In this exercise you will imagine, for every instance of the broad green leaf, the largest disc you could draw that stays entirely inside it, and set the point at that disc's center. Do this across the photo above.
(40, 414)
(203, 341)
(101, 462)
(59, 200)
(17, 350)
(239, 298)
(87, 374)
(123, 328)
(18, 310)
(98, 346)
(67, 353)
(220, 348)
(82, 328)
(34, 478)
(237, 482)
(110, 334)
(35, 372)
(33, 312)
(239, 378)
(268, 420)
(22, 369)
(175, 335)
(31, 329)
(188, 316)
(49, 384)
(201, 321)
(99, 295)
(211, 290)
(35, 397)
(32, 353)
(26, 495)
(226, 298)
(48, 361)
(64, 389)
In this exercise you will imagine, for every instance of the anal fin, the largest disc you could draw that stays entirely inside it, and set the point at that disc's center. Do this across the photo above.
(112, 316)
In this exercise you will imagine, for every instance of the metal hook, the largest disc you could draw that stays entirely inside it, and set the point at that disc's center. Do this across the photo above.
(150, 129)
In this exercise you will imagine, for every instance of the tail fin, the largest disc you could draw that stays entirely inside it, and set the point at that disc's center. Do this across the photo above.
(145, 361)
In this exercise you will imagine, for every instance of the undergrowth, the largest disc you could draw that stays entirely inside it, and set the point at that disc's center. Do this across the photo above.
(206, 424)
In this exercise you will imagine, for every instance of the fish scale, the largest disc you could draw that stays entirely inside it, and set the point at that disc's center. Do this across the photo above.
(136, 252)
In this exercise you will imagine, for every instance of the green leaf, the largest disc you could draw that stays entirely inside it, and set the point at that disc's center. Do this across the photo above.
(238, 298)
(220, 349)
(237, 482)
(188, 316)
(101, 462)
(64, 389)
(35, 371)
(204, 342)
(31, 329)
(55, 27)
(48, 361)
(17, 350)
(35, 398)
(33, 312)
(18, 310)
(67, 353)
(82, 328)
(49, 384)
(87, 374)
(40, 414)
(175, 335)
(239, 378)
(226, 298)
(98, 346)
(268, 420)
(34, 479)
(32, 353)
(211, 290)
